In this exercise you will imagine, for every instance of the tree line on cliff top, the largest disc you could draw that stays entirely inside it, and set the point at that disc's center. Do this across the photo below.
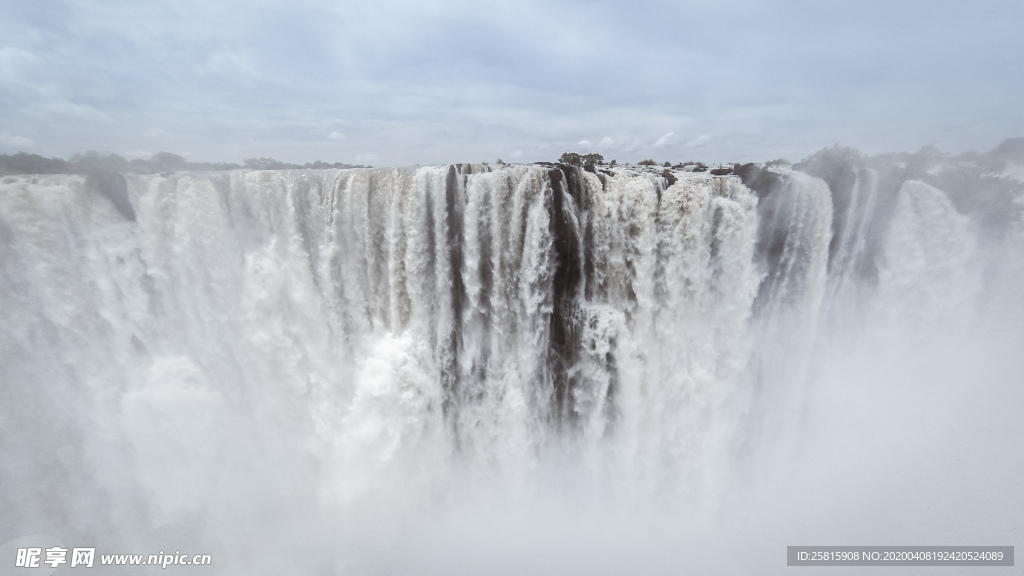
(97, 162)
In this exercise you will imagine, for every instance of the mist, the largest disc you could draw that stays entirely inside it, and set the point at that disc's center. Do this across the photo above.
(470, 368)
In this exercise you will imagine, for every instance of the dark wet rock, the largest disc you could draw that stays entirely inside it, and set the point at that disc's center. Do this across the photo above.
(566, 280)
(113, 187)
(763, 182)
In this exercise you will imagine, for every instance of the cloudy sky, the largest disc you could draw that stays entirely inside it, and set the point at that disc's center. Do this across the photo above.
(398, 82)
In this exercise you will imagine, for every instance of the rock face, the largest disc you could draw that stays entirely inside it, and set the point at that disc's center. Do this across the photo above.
(113, 187)
(761, 180)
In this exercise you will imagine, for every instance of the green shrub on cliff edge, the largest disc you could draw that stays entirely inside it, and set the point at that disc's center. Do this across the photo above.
(585, 160)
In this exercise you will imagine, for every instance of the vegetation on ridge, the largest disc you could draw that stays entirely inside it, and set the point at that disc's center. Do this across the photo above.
(96, 162)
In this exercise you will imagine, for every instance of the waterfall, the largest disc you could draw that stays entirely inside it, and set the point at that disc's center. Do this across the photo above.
(310, 358)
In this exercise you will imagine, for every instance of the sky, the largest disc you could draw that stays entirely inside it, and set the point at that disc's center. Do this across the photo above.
(404, 82)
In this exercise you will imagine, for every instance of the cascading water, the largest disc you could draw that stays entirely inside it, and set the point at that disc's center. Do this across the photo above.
(355, 371)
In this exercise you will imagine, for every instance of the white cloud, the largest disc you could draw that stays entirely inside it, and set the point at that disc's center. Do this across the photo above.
(631, 146)
(366, 158)
(10, 55)
(158, 133)
(606, 142)
(584, 143)
(67, 111)
(665, 140)
(15, 141)
(335, 136)
(699, 141)
(232, 65)
(14, 62)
